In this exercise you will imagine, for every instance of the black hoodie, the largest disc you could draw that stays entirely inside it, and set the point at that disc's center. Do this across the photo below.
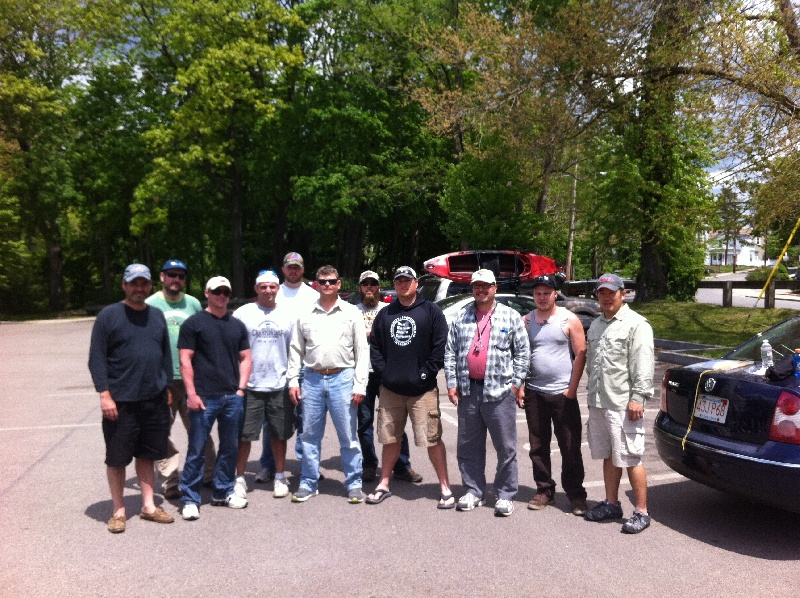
(407, 346)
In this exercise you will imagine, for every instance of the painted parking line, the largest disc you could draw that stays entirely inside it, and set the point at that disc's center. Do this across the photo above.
(52, 427)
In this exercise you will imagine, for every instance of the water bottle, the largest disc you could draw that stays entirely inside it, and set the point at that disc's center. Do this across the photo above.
(766, 354)
(796, 363)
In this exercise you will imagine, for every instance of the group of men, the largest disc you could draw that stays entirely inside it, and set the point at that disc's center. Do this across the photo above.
(282, 363)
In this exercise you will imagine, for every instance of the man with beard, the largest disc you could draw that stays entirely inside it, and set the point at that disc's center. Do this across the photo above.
(369, 290)
(131, 366)
(485, 363)
(177, 307)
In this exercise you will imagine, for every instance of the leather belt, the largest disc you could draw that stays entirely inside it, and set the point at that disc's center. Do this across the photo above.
(328, 371)
(478, 381)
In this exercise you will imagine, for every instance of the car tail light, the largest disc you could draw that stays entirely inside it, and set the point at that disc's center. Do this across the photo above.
(786, 420)
(664, 404)
(387, 298)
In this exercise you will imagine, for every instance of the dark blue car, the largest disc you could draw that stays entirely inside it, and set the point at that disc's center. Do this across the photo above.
(734, 426)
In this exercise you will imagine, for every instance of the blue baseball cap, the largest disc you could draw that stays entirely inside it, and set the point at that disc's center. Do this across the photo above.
(174, 265)
(134, 271)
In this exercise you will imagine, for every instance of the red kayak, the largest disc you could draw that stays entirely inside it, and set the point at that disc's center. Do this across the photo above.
(506, 265)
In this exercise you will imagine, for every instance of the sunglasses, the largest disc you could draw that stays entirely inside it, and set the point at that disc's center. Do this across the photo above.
(370, 283)
(327, 281)
(178, 275)
(222, 291)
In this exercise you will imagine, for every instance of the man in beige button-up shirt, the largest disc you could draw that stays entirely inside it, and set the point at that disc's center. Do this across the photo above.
(619, 362)
(330, 341)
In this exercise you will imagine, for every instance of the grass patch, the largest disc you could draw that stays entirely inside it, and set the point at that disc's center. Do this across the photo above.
(708, 324)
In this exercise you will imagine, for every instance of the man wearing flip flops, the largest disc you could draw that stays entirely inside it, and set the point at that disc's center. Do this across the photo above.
(407, 352)
(131, 365)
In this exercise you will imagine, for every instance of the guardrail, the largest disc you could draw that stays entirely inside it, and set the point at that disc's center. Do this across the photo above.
(727, 287)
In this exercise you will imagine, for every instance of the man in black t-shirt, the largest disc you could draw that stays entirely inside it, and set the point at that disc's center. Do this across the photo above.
(215, 365)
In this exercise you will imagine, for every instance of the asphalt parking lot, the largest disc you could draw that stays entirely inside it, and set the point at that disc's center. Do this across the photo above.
(54, 504)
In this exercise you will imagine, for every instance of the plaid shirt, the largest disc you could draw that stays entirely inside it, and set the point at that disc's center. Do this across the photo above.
(507, 356)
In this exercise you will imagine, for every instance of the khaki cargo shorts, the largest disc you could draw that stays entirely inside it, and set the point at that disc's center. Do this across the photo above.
(426, 418)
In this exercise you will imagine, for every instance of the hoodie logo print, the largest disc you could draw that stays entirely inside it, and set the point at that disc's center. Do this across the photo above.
(403, 330)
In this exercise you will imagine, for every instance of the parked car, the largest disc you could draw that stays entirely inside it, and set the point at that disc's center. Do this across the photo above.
(438, 289)
(726, 424)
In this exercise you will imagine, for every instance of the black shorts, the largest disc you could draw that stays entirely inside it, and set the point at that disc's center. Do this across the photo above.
(141, 430)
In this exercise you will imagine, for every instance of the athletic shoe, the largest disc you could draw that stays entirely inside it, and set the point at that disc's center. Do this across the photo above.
(303, 494)
(232, 500)
(355, 496)
(240, 487)
(637, 523)
(604, 510)
(578, 506)
(190, 512)
(503, 507)
(280, 488)
(468, 502)
(265, 475)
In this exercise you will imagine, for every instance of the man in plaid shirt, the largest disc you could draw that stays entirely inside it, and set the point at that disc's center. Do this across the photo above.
(485, 363)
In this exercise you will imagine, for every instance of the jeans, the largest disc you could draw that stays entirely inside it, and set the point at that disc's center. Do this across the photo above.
(322, 394)
(565, 414)
(475, 417)
(366, 433)
(228, 412)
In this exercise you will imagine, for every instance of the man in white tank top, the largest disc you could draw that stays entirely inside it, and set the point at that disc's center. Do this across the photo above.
(558, 356)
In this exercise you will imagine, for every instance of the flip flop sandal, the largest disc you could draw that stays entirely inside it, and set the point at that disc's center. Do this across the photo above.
(447, 501)
(380, 495)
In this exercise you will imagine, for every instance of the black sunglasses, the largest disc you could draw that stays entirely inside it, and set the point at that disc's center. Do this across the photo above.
(370, 283)
(327, 281)
(222, 291)
(178, 275)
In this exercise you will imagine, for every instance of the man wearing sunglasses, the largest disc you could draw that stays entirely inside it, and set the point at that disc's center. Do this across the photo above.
(369, 290)
(177, 307)
(329, 343)
(215, 365)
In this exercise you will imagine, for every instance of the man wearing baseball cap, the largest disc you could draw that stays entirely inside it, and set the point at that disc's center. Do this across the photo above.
(131, 366)
(485, 363)
(215, 365)
(619, 363)
(407, 352)
(369, 290)
(177, 307)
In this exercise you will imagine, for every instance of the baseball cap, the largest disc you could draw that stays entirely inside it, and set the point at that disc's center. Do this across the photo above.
(483, 275)
(293, 259)
(546, 280)
(217, 281)
(134, 271)
(405, 272)
(267, 276)
(368, 274)
(174, 265)
(609, 281)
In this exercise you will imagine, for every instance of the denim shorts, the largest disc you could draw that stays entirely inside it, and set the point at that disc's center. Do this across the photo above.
(613, 435)
(141, 430)
(275, 406)
(426, 418)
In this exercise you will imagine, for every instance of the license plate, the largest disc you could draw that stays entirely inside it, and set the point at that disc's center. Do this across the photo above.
(711, 408)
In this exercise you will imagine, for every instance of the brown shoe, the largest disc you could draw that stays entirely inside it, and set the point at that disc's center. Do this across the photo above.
(116, 525)
(159, 516)
(579, 506)
(540, 501)
(409, 476)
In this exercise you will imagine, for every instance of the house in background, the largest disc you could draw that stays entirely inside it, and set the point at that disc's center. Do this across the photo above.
(742, 249)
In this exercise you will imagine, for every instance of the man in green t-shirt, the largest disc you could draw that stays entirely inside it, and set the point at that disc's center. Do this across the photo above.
(177, 307)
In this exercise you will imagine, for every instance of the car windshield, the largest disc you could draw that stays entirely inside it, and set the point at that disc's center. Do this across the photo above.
(784, 338)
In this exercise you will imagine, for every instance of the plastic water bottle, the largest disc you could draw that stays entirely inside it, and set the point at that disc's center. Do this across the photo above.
(766, 354)
(796, 363)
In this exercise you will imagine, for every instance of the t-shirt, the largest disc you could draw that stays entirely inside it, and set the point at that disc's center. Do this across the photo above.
(176, 314)
(479, 349)
(129, 353)
(369, 314)
(297, 298)
(270, 331)
(216, 343)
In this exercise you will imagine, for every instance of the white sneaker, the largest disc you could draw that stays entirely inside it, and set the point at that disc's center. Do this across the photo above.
(468, 502)
(240, 487)
(190, 512)
(281, 488)
(503, 507)
(232, 501)
(265, 475)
